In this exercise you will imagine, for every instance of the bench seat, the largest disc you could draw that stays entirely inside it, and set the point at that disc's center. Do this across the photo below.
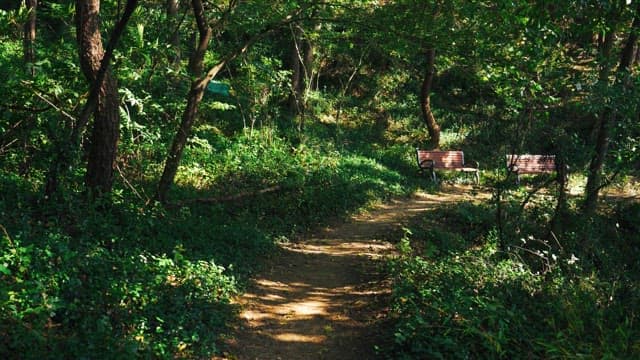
(530, 164)
(445, 160)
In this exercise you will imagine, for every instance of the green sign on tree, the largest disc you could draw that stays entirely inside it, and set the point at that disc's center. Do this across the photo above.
(217, 87)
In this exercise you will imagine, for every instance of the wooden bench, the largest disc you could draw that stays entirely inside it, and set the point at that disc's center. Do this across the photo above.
(531, 164)
(445, 160)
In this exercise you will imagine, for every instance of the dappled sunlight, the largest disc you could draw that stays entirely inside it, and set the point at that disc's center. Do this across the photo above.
(629, 190)
(272, 297)
(292, 337)
(283, 303)
(326, 296)
(338, 248)
(277, 285)
(309, 307)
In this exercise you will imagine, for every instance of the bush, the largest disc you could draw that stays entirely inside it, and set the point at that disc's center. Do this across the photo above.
(452, 301)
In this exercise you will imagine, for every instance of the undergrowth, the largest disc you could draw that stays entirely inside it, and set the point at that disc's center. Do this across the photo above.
(124, 278)
(459, 295)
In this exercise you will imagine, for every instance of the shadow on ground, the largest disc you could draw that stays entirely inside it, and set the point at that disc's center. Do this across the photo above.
(326, 296)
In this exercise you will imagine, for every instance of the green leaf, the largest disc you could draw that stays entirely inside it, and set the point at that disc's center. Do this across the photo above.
(5, 270)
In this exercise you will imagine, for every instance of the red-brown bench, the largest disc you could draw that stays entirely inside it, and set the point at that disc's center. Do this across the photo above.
(445, 160)
(531, 164)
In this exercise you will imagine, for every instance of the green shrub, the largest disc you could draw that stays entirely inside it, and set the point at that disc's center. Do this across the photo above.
(457, 301)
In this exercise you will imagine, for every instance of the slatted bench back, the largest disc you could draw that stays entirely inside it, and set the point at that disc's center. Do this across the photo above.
(441, 159)
(531, 164)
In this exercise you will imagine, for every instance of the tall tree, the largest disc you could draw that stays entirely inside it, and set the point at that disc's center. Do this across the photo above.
(302, 65)
(30, 34)
(297, 64)
(201, 78)
(102, 101)
(194, 97)
(172, 13)
(609, 116)
(425, 100)
(415, 30)
(309, 50)
(106, 127)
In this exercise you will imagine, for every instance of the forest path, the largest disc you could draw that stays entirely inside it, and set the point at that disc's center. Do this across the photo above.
(326, 296)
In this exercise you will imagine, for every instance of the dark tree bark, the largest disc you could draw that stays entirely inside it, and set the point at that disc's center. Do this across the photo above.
(196, 93)
(594, 179)
(561, 211)
(105, 133)
(425, 101)
(29, 38)
(92, 57)
(172, 14)
(600, 133)
(607, 119)
(309, 49)
(302, 74)
(296, 72)
(628, 55)
(30, 34)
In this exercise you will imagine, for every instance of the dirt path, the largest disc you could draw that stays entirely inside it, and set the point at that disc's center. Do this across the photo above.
(325, 297)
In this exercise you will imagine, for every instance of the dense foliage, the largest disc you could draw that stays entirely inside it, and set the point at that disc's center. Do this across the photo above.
(281, 115)
(458, 296)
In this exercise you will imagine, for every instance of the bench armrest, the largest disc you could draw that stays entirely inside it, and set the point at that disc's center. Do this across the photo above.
(428, 163)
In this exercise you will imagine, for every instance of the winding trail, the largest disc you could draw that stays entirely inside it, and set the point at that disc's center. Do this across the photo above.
(327, 296)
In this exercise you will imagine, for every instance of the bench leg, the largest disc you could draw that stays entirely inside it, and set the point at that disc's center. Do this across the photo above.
(434, 177)
(477, 177)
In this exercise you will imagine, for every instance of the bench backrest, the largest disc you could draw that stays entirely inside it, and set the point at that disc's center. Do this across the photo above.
(526, 163)
(441, 159)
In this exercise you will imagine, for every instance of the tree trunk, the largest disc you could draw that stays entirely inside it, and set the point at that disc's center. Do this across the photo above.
(296, 72)
(30, 35)
(198, 86)
(560, 212)
(196, 93)
(607, 119)
(308, 60)
(594, 179)
(425, 101)
(629, 52)
(106, 126)
(180, 140)
(172, 14)
(102, 102)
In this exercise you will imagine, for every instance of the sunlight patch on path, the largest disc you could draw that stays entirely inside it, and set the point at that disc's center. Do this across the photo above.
(337, 247)
(325, 297)
(290, 337)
